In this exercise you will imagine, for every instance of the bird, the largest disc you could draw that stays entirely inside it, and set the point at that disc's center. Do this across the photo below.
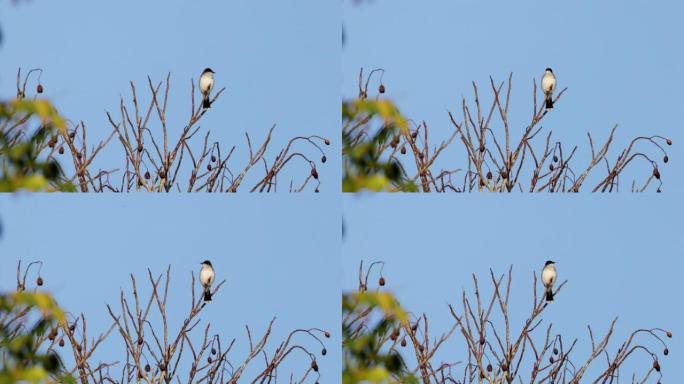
(548, 85)
(206, 83)
(206, 276)
(548, 277)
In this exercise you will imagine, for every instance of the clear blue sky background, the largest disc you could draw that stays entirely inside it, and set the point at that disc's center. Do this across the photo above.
(622, 256)
(280, 258)
(280, 62)
(617, 59)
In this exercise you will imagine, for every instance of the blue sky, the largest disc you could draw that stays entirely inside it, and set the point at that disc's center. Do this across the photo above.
(622, 256)
(280, 62)
(279, 259)
(616, 58)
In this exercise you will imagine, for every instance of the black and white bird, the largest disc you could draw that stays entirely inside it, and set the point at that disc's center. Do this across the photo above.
(548, 277)
(206, 83)
(548, 84)
(206, 278)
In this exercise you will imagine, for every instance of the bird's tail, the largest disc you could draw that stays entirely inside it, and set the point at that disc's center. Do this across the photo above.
(207, 294)
(549, 102)
(549, 295)
(205, 102)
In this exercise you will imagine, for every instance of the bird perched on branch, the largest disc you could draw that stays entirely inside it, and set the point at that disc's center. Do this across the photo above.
(206, 83)
(548, 277)
(206, 278)
(548, 85)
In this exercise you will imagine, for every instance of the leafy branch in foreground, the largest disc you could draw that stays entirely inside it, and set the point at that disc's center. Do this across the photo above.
(153, 160)
(25, 321)
(495, 160)
(370, 350)
(155, 351)
(22, 167)
(384, 343)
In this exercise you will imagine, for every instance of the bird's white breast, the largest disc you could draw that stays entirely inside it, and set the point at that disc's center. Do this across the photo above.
(548, 82)
(548, 275)
(206, 82)
(206, 275)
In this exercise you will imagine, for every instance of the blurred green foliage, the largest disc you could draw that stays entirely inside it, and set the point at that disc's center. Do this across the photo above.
(25, 320)
(22, 167)
(364, 166)
(369, 320)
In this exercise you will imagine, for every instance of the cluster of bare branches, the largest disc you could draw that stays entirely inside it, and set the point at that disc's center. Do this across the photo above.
(497, 161)
(497, 353)
(156, 162)
(156, 353)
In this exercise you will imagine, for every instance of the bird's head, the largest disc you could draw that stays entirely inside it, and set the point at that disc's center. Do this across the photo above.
(206, 262)
(548, 70)
(549, 262)
(207, 70)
